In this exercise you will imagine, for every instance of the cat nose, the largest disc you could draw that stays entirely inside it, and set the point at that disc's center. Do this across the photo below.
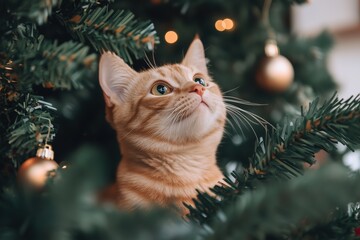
(199, 89)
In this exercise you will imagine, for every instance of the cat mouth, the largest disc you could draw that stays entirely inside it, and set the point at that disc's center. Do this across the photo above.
(200, 105)
(204, 103)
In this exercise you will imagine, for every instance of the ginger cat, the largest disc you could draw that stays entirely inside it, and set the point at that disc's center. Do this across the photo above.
(169, 122)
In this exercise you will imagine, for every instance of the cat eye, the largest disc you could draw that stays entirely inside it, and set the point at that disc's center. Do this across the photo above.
(200, 81)
(160, 89)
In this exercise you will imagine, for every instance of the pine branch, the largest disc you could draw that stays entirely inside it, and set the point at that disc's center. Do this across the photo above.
(340, 226)
(37, 11)
(279, 211)
(113, 30)
(297, 141)
(30, 60)
(32, 122)
(65, 66)
(68, 207)
(283, 153)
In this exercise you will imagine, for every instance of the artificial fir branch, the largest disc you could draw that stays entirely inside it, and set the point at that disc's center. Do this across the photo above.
(319, 128)
(67, 66)
(282, 211)
(113, 30)
(287, 211)
(36, 10)
(29, 128)
(283, 153)
(68, 209)
(341, 225)
(30, 60)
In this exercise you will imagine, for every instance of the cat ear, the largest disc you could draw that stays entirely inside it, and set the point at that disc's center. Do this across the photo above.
(195, 56)
(114, 77)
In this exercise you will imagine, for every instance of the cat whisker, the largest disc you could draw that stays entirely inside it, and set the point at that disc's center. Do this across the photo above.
(127, 134)
(231, 90)
(153, 58)
(176, 116)
(235, 119)
(171, 115)
(240, 116)
(257, 118)
(241, 101)
(235, 109)
(178, 107)
(148, 62)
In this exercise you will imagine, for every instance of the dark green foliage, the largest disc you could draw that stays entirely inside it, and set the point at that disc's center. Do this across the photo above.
(31, 126)
(283, 211)
(36, 51)
(68, 209)
(114, 30)
(52, 44)
(36, 10)
(339, 225)
(320, 127)
(33, 60)
(283, 153)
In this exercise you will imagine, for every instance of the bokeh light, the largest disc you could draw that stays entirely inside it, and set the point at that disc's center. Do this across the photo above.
(171, 37)
(229, 24)
(220, 25)
(225, 24)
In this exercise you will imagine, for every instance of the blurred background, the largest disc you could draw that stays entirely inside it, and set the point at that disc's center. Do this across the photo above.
(342, 19)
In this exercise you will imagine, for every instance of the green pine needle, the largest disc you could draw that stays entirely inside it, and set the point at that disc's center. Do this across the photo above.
(283, 153)
(33, 60)
(36, 10)
(287, 211)
(112, 30)
(31, 127)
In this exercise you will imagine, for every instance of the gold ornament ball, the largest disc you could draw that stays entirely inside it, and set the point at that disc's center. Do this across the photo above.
(35, 171)
(275, 74)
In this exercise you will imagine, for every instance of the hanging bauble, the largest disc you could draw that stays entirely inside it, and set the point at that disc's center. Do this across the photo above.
(35, 171)
(275, 72)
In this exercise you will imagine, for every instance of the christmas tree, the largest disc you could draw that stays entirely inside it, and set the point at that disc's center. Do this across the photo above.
(50, 97)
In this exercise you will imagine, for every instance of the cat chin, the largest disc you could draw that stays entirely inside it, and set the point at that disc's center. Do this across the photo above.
(197, 123)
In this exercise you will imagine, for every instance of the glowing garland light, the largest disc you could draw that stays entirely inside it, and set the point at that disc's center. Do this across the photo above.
(171, 37)
(226, 24)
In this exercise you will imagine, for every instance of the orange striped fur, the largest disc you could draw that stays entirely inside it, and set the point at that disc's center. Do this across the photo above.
(168, 142)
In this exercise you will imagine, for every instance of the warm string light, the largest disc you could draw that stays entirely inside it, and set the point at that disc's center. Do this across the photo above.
(171, 37)
(224, 24)
(219, 25)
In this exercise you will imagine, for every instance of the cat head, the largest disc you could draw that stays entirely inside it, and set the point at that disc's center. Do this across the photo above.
(176, 103)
